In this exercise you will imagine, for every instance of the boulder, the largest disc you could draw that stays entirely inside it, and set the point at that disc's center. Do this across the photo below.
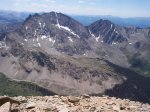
(30, 105)
(3, 100)
(5, 107)
(73, 99)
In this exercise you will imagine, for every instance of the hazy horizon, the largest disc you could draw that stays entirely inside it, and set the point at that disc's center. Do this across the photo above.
(119, 8)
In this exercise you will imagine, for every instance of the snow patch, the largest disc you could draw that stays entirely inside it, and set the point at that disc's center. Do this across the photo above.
(130, 43)
(111, 26)
(22, 43)
(97, 38)
(26, 27)
(91, 33)
(115, 31)
(102, 41)
(25, 40)
(84, 54)
(68, 29)
(43, 37)
(65, 27)
(40, 23)
(70, 39)
(51, 40)
(39, 44)
(114, 43)
(37, 39)
(3, 44)
(43, 25)
(35, 33)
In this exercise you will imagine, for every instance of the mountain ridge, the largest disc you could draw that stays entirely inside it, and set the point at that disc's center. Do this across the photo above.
(68, 58)
(142, 22)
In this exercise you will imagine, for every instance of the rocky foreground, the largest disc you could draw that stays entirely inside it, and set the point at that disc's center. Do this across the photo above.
(83, 103)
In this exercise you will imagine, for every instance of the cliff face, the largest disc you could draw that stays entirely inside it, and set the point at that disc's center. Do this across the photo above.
(83, 103)
(63, 74)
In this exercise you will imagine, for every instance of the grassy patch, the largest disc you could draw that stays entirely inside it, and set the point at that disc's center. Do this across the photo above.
(140, 66)
(14, 88)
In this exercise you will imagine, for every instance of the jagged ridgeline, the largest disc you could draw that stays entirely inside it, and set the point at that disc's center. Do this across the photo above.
(16, 88)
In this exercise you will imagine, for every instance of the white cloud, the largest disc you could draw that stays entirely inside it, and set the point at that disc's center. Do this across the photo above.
(22, 0)
(80, 1)
(81, 7)
(51, 1)
(92, 3)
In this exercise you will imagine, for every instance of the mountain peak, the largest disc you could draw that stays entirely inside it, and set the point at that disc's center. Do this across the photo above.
(107, 32)
(54, 30)
(104, 21)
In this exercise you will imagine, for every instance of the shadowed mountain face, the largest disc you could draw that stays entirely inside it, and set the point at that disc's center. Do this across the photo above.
(110, 33)
(60, 54)
(107, 32)
(131, 42)
(133, 88)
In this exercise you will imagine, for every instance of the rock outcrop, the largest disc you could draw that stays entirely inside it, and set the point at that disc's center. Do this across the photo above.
(83, 103)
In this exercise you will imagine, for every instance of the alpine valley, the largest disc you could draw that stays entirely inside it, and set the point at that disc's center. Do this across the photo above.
(64, 57)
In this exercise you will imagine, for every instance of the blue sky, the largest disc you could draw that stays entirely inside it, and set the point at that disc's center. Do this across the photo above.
(121, 8)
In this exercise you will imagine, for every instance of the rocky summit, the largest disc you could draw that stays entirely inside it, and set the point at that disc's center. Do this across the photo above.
(82, 103)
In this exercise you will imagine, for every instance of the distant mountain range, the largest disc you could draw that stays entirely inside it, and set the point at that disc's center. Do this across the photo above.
(59, 53)
(11, 17)
(141, 22)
